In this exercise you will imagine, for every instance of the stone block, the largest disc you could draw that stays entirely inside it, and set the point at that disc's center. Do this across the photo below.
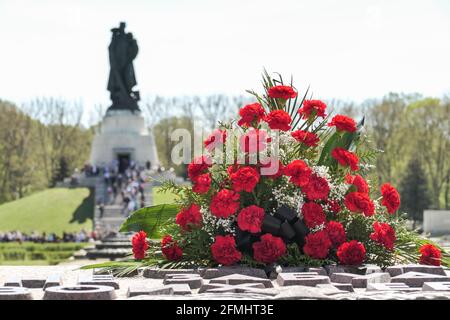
(80, 292)
(138, 290)
(279, 269)
(343, 286)
(33, 282)
(193, 280)
(99, 280)
(417, 279)
(235, 279)
(253, 288)
(15, 293)
(343, 277)
(53, 280)
(392, 286)
(212, 273)
(13, 281)
(157, 273)
(436, 286)
(301, 279)
(363, 281)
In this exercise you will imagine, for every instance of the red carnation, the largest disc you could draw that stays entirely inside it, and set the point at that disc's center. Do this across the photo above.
(359, 182)
(299, 172)
(384, 234)
(244, 179)
(317, 188)
(430, 255)
(272, 169)
(351, 253)
(345, 158)
(282, 92)
(279, 119)
(343, 123)
(359, 202)
(140, 245)
(189, 217)
(250, 219)
(334, 206)
(391, 198)
(225, 203)
(317, 245)
(313, 108)
(254, 141)
(313, 215)
(307, 138)
(268, 249)
(170, 249)
(216, 139)
(224, 250)
(202, 183)
(198, 166)
(336, 232)
(251, 115)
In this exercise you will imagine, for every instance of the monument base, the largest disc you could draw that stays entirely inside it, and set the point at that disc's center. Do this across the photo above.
(123, 137)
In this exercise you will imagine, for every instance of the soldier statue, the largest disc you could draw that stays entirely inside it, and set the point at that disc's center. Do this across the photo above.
(122, 51)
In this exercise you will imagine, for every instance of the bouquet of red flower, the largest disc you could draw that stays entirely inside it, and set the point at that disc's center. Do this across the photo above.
(286, 184)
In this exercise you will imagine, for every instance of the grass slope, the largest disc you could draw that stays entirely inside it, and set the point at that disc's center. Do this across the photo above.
(52, 210)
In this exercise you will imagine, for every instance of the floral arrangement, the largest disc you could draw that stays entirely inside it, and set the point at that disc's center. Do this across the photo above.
(286, 184)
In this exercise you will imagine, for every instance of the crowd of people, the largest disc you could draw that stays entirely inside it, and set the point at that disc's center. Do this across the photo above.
(38, 237)
(124, 185)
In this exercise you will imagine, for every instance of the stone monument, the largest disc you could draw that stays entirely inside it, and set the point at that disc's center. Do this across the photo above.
(123, 135)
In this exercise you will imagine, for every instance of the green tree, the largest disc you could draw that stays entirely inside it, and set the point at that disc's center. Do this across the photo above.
(414, 191)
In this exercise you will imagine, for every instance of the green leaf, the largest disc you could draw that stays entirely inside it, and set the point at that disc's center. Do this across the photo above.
(149, 219)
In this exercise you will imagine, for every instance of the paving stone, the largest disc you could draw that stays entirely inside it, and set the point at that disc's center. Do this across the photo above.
(343, 286)
(417, 279)
(13, 281)
(14, 293)
(253, 288)
(363, 281)
(392, 286)
(98, 279)
(53, 280)
(138, 290)
(301, 278)
(157, 273)
(193, 280)
(235, 279)
(211, 273)
(80, 292)
(436, 286)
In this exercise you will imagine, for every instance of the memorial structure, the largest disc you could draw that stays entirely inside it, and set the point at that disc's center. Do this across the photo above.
(123, 135)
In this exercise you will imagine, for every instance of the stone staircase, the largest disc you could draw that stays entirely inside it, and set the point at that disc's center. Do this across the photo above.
(112, 245)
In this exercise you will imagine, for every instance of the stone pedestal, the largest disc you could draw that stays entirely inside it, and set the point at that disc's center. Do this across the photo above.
(123, 134)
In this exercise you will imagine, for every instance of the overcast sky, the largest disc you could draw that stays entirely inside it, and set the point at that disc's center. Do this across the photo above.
(346, 49)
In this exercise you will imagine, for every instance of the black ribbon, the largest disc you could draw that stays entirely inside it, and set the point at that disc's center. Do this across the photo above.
(284, 223)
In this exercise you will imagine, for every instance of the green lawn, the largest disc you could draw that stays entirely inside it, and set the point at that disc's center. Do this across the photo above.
(161, 198)
(52, 210)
